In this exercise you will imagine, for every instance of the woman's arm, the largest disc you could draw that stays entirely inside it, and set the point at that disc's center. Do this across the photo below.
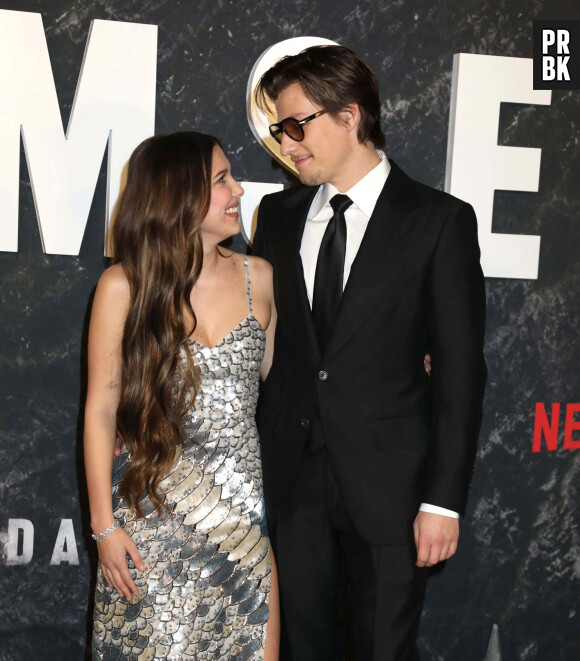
(108, 316)
(104, 354)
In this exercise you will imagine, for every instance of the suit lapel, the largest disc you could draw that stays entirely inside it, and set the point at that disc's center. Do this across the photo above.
(377, 262)
(296, 306)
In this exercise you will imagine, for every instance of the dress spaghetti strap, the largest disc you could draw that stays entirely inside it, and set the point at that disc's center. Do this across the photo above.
(248, 284)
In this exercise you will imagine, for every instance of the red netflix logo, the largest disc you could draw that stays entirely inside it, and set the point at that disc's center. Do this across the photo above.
(547, 428)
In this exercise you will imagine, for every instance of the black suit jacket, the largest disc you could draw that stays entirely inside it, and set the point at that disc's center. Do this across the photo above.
(395, 437)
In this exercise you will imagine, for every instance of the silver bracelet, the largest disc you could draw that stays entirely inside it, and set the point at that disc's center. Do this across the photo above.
(106, 532)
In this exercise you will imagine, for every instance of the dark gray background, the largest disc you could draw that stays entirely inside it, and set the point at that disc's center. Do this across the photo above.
(518, 563)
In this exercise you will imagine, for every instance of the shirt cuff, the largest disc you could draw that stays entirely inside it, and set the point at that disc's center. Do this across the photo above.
(434, 509)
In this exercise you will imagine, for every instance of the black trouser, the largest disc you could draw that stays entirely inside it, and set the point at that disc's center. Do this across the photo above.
(319, 556)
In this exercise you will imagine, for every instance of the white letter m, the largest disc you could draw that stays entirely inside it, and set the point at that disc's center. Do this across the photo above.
(114, 104)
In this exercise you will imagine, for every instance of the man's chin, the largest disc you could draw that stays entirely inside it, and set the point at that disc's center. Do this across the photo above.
(310, 178)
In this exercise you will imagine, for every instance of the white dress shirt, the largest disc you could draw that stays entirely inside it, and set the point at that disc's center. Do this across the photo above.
(364, 195)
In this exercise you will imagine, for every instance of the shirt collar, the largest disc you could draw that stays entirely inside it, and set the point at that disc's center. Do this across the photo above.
(364, 193)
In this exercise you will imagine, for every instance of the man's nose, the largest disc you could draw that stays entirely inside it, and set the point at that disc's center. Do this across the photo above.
(287, 145)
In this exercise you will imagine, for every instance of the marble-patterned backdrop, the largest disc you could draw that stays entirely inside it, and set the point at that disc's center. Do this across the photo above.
(518, 565)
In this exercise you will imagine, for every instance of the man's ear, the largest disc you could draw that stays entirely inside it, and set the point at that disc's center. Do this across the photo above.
(350, 116)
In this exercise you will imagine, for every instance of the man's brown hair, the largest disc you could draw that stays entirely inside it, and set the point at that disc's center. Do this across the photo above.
(332, 77)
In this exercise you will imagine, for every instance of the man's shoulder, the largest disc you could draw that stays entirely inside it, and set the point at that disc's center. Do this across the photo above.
(436, 209)
(439, 197)
(426, 196)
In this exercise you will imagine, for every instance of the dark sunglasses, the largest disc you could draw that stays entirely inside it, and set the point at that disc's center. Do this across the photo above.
(292, 127)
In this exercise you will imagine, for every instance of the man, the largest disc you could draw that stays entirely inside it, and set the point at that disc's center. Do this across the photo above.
(367, 461)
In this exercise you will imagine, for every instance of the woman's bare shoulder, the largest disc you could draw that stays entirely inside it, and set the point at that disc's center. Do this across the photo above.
(113, 289)
(109, 309)
(114, 281)
(260, 267)
(262, 281)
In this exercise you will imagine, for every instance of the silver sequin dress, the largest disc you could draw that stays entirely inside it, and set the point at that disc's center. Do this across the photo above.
(204, 594)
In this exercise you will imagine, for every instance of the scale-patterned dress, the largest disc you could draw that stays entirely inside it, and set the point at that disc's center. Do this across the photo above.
(204, 594)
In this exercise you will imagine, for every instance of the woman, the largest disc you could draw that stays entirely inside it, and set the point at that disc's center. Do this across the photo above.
(180, 332)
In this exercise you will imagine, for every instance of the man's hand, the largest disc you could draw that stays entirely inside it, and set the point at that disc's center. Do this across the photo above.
(436, 538)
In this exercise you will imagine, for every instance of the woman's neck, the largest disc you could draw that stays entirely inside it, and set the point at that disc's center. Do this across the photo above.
(211, 260)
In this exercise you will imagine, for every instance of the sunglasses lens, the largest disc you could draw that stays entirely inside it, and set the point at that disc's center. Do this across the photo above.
(293, 129)
(290, 127)
(276, 132)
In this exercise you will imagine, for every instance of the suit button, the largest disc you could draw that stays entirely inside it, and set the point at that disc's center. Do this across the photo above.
(305, 422)
(323, 375)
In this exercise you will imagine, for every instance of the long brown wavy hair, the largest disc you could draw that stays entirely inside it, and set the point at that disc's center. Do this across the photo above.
(156, 239)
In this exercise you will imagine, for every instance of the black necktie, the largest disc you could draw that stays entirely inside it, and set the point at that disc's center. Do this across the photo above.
(330, 269)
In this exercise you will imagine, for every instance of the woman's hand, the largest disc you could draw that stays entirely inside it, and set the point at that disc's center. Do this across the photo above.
(113, 551)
